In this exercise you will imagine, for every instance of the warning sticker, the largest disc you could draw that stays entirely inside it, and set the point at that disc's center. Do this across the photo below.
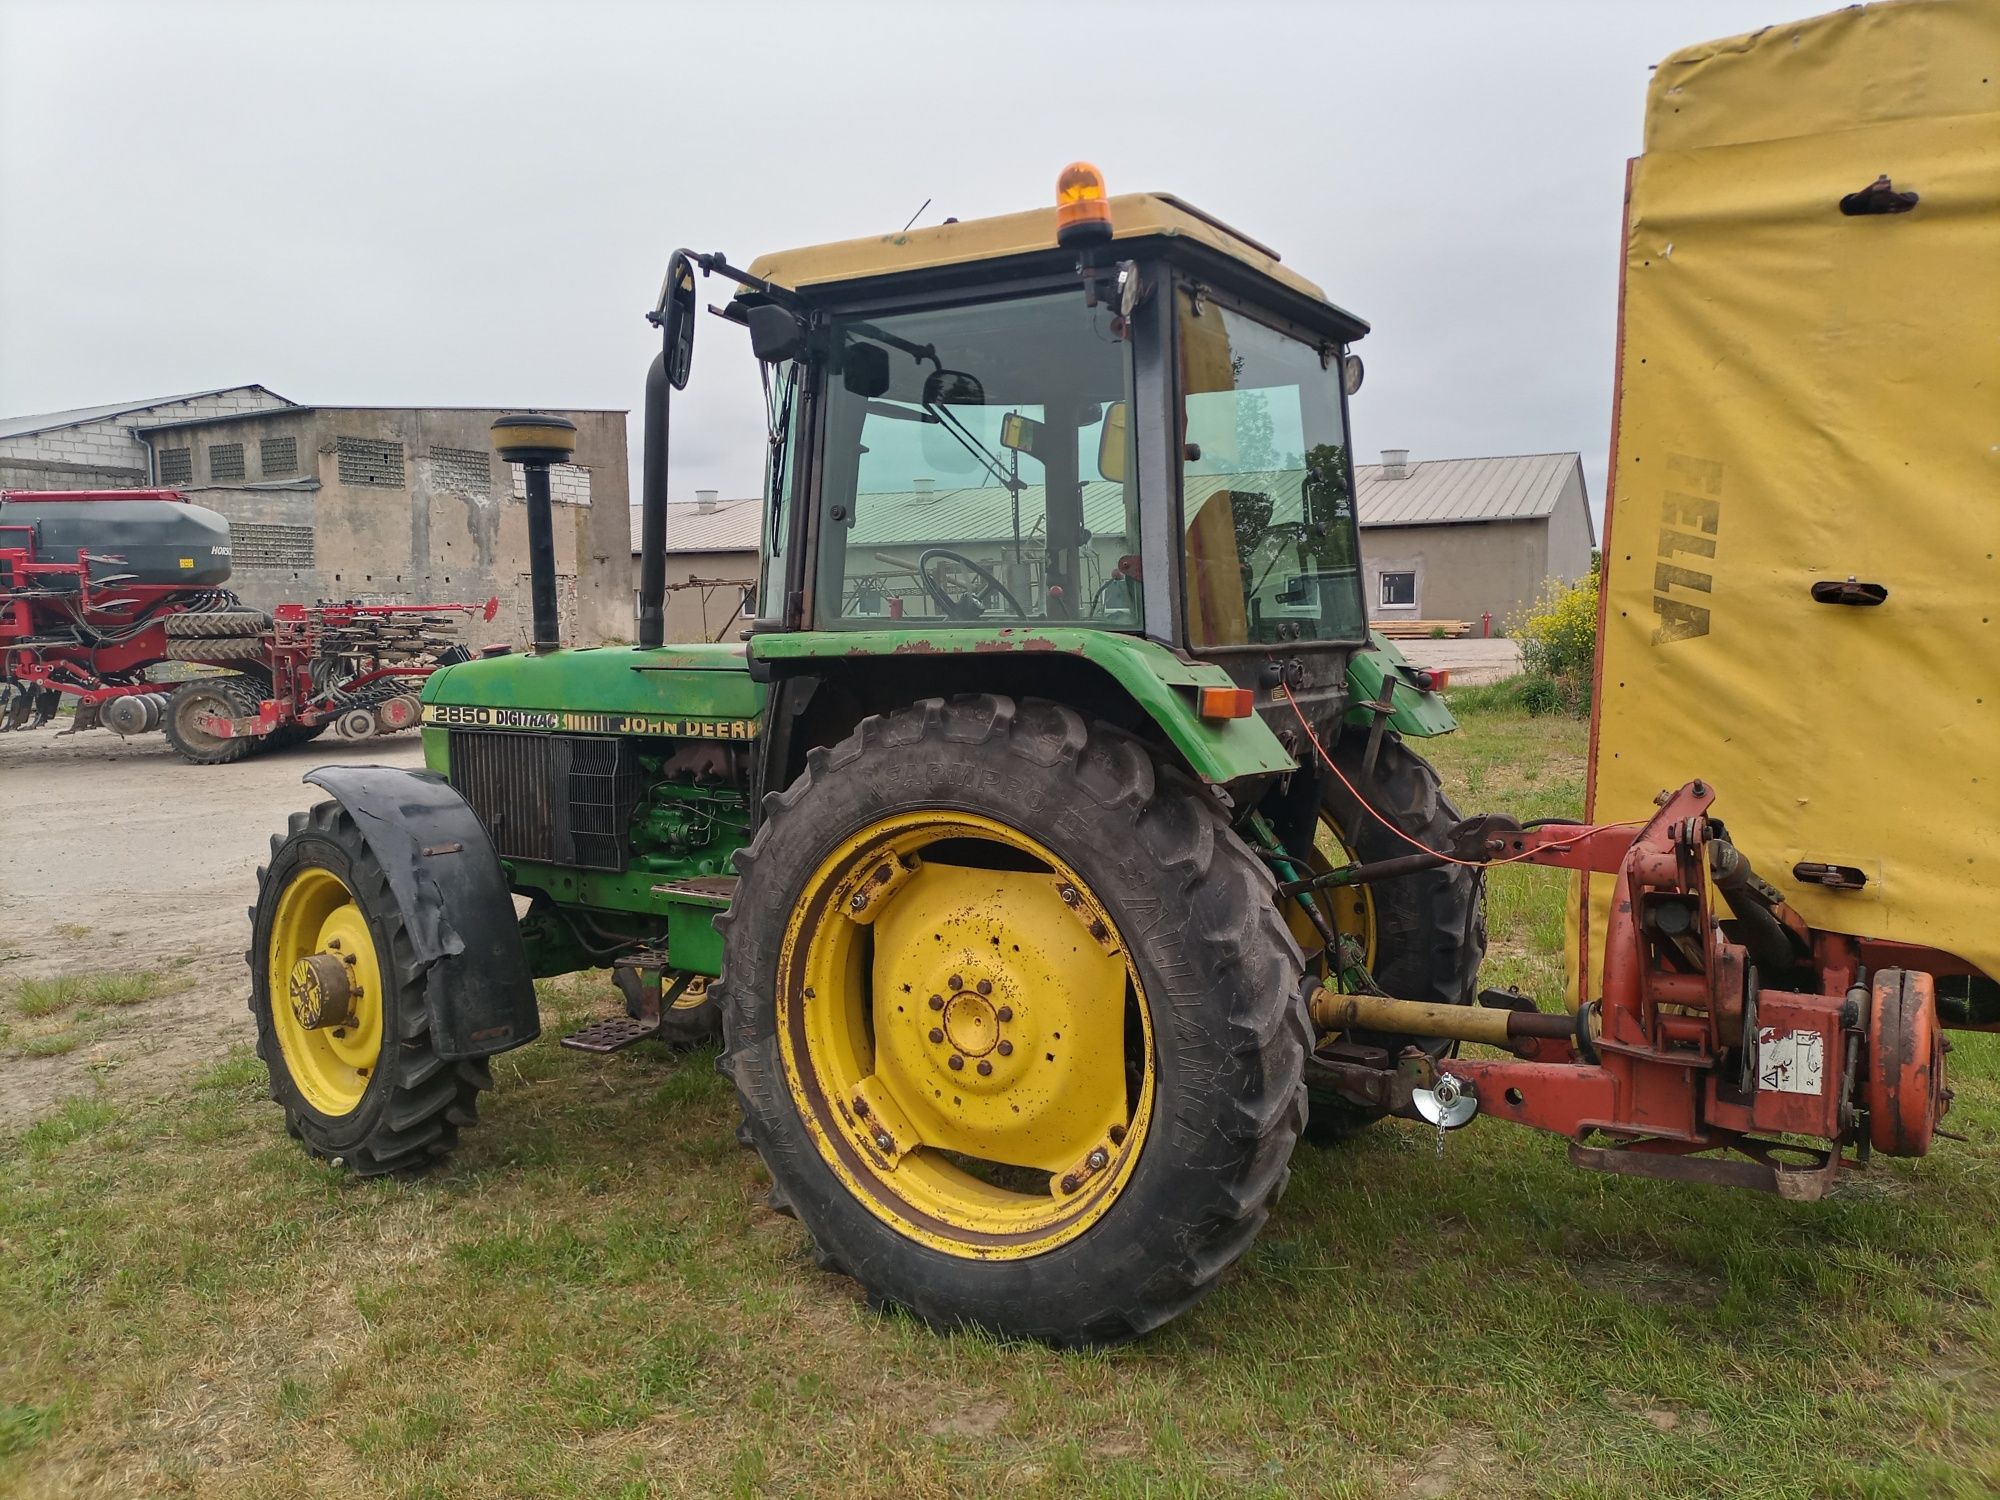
(1791, 1062)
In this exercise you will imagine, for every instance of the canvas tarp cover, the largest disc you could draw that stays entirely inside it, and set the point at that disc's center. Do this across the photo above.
(1807, 396)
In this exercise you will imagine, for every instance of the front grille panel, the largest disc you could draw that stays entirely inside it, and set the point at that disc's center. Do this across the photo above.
(558, 799)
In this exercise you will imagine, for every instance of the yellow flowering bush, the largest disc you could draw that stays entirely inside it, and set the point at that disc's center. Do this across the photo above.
(1558, 636)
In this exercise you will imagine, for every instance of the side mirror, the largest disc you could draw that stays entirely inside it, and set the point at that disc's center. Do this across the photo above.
(1111, 444)
(953, 388)
(776, 334)
(676, 319)
(864, 370)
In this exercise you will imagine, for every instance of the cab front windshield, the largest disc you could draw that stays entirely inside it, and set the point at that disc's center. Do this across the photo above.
(976, 469)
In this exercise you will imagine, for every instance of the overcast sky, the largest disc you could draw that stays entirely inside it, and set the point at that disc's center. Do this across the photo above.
(442, 204)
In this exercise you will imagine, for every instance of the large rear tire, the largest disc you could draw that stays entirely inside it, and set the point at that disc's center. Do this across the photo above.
(1014, 1020)
(1423, 936)
(217, 623)
(342, 1024)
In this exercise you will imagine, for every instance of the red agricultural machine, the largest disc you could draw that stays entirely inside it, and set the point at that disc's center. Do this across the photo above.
(98, 587)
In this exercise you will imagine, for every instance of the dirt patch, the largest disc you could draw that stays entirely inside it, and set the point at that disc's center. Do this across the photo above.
(972, 1419)
(121, 857)
(1470, 1464)
(1651, 1283)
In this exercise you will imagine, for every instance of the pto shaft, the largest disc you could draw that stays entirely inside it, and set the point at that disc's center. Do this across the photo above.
(1462, 1023)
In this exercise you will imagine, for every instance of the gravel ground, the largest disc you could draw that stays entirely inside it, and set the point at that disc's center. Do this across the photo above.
(120, 858)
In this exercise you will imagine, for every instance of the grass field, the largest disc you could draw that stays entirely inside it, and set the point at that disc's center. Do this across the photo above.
(592, 1300)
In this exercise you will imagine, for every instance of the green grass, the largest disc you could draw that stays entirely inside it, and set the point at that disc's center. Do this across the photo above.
(591, 1299)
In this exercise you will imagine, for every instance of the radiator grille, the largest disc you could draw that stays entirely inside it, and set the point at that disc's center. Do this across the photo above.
(555, 798)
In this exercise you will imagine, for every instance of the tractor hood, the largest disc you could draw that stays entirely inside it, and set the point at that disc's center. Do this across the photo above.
(700, 691)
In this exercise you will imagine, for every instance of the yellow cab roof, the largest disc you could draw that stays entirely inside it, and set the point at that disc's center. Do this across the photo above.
(1133, 216)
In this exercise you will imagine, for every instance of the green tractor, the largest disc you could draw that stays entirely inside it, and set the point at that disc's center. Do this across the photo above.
(996, 849)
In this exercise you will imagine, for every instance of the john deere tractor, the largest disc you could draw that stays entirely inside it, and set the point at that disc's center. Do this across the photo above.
(991, 847)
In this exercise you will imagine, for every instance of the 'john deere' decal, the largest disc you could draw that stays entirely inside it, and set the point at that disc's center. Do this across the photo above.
(465, 716)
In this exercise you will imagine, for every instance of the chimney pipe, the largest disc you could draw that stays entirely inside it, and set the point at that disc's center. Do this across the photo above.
(923, 484)
(1395, 463)
(704, 500)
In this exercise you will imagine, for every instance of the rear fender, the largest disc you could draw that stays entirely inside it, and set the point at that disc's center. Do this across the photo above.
(1417, 713)
(455, 903)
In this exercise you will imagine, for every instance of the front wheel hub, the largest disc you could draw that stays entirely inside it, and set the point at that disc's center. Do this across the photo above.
(321, 990)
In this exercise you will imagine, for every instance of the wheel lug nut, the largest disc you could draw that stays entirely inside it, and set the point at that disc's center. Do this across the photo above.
(1070, 1184)
(985, 986)
(937, 1002)
(1005, 1013)
(857, 901)
(1006, 1049)
(957, 1062)
(883, 1142)
(861, 1106)
(936, 1034)
(1097, 1159)
(955, 982)
(985, 1067)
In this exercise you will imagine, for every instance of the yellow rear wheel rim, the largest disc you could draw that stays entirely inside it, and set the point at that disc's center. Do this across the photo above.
(317, 918)
(965, 1036)
(1351, 908)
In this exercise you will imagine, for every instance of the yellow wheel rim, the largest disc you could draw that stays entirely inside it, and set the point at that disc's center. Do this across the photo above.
(965, 1035)
(1351, 908)
(325, 983)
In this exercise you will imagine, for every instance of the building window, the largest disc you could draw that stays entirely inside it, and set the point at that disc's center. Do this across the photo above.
(279, 456)
(569, 484)
(259, 546)
(369, 461)
(1399, 591)
(225, 461)
(468, 471)
(177, 466)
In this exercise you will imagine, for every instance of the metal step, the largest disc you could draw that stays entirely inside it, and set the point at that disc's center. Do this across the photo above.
(612, 1033)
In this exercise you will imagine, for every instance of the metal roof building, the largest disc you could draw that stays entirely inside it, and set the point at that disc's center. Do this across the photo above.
(1470, 539)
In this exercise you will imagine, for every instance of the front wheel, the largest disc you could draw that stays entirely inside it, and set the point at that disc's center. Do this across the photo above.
(342, 1024)
(1014, 1021)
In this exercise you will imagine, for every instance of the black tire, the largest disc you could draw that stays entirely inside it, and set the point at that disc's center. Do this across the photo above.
(237, 696)
(287, 735)
(1430, 927)
(232, 648)
(218, 623)
(416, 1102)
(1222, 979)
(694, 1023)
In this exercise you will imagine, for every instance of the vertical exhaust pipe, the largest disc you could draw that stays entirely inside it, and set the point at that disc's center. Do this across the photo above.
(535, 440)
(653, 509)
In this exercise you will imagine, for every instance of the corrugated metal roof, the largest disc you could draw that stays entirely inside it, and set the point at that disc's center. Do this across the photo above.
(48, 421)
(730, 527)
(1438, 491)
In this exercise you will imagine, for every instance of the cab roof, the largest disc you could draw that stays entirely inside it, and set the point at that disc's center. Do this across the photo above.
(1134, 216)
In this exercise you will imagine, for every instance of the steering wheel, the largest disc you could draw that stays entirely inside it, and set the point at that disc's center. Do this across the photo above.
(961, 609)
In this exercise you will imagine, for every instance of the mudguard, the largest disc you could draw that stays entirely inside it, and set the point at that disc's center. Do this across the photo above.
(455, 902)
(1418, 713)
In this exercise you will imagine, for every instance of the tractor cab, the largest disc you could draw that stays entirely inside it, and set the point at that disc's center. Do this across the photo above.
(1112, 414)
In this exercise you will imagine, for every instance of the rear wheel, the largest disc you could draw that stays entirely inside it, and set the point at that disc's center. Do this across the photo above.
(194, 703)
(1421, 936)
(342, 1025)
(217, 623)
(1014, 1020)
(694, 1017)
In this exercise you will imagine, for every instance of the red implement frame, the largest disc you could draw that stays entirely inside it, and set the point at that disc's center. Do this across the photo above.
(91, 640)
(1687, 1053)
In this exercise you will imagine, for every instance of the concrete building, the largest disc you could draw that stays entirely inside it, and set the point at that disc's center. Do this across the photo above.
(711, 565)
(1461, 538)
(396, 505)
(98, 447)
